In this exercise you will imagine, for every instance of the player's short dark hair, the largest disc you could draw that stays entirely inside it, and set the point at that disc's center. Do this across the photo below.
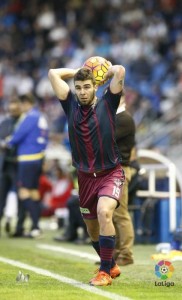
(84, 74)
(27, 98)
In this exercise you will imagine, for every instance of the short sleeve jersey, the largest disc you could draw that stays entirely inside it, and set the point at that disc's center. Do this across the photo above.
(92, 132)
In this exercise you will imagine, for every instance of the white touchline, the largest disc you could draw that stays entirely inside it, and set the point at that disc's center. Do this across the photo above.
(68, 251)
(75, 283)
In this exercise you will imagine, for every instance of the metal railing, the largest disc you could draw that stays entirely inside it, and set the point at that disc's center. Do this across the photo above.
(159, 162)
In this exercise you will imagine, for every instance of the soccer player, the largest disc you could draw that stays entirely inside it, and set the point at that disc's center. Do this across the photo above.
(91, 123)
(30, 137)
(125, 138)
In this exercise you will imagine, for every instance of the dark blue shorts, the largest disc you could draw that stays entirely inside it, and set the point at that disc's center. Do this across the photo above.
(28, 174)
(94, 185)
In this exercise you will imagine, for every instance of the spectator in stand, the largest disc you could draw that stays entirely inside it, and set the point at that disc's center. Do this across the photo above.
(36, 36)
(151, 31)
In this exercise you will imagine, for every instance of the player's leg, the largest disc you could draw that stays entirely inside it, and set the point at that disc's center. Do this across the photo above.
(105, 209)
(103, 241)
(93, 232)
(102, 233)
(110, 187)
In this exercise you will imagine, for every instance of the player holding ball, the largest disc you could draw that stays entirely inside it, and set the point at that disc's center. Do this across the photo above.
(91, 124)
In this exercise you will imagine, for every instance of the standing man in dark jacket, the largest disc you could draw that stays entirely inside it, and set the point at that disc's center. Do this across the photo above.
(125, 138)
(8, 162)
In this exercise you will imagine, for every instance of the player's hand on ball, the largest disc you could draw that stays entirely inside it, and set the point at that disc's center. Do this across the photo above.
(109, 63)
(111, 72)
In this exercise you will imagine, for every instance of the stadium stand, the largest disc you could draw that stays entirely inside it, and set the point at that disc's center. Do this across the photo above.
(143, 35)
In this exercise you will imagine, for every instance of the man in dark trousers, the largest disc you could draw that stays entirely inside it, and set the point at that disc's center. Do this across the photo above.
(8, 162)
(125, 138)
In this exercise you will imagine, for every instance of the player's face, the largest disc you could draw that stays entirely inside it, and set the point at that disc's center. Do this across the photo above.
(85, 91)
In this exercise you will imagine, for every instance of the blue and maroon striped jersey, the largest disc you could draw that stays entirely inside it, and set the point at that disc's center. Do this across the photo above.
(92, 132)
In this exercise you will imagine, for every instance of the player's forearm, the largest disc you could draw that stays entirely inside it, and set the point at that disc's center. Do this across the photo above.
(63, 73)
(117, 72)
(58, 79)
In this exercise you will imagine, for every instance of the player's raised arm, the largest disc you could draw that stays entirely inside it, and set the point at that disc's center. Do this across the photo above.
(58, 79)
(117, 72)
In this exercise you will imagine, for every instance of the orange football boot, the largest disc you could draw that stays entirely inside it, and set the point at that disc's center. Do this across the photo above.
(102, 279)
(115, 271)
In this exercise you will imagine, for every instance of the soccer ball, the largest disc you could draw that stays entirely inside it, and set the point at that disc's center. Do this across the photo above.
(99, 67)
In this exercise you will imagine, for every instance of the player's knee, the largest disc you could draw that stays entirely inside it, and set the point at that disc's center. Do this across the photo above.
(104, 214)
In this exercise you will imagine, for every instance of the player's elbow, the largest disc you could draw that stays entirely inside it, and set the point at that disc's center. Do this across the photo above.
(51, 73)
(120, 73)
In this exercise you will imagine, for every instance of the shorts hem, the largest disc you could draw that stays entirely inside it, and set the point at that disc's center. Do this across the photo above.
(89, 218)
(118, 204)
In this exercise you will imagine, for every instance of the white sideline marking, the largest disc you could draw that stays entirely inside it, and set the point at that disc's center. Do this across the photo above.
(63, 279)
(68, 251)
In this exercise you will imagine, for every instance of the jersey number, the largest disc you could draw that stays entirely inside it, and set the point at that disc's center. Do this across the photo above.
(116, 191)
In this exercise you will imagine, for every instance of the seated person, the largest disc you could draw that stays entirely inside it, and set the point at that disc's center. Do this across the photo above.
(58, 191)
(75, 220)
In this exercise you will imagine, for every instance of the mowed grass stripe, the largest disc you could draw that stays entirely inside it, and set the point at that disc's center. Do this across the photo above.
(63, 279)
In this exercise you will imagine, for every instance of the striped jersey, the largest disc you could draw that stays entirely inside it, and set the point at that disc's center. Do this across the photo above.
(92, 132)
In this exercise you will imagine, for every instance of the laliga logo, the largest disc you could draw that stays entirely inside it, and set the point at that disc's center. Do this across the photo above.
(164, 270)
